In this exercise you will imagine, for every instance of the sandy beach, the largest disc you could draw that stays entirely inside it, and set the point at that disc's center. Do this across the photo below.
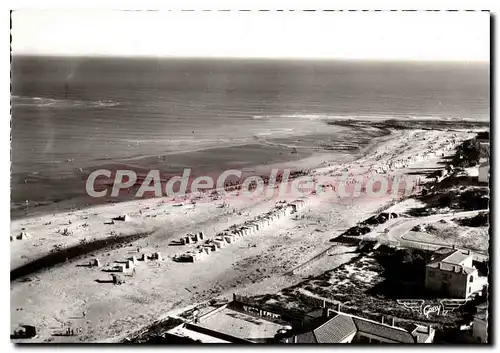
(53, 293)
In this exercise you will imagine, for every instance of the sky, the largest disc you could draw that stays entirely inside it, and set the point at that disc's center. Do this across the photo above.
(434, 36)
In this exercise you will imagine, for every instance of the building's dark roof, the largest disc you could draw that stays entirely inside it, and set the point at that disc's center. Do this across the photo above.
(342, 326)
(482, 312)
(315, 314)
(335, 330)
(378, 329)
(451, 261)
(453, 257)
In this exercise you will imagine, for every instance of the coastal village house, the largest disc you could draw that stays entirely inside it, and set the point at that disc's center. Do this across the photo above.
(451, 274)
(329, 326)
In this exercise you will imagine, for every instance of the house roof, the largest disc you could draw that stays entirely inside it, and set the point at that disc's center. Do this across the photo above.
(451, 261)
(482, 312)
(382, 330)
(453, 257)
(421, 333)
(456, 258)
(335, 330)
(452, 268)
(469, 270)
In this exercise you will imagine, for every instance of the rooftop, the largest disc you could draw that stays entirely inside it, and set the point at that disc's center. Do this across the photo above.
(183, 331)
(451, 261)
(382, 330)
(342, 325)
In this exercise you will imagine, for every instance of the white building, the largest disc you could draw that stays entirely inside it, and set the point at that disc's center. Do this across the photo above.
(451, 274)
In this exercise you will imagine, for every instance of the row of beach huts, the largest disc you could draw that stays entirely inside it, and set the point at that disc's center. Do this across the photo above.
(235, 232)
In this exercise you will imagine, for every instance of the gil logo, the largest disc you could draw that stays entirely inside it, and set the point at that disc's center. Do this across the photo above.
(427, 308)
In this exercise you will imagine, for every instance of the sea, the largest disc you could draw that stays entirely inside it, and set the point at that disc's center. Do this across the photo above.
(73, 115)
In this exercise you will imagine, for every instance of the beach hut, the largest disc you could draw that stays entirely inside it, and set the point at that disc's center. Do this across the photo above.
(144, 257)
(219, 244)
(130, 264)
(157, 256)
